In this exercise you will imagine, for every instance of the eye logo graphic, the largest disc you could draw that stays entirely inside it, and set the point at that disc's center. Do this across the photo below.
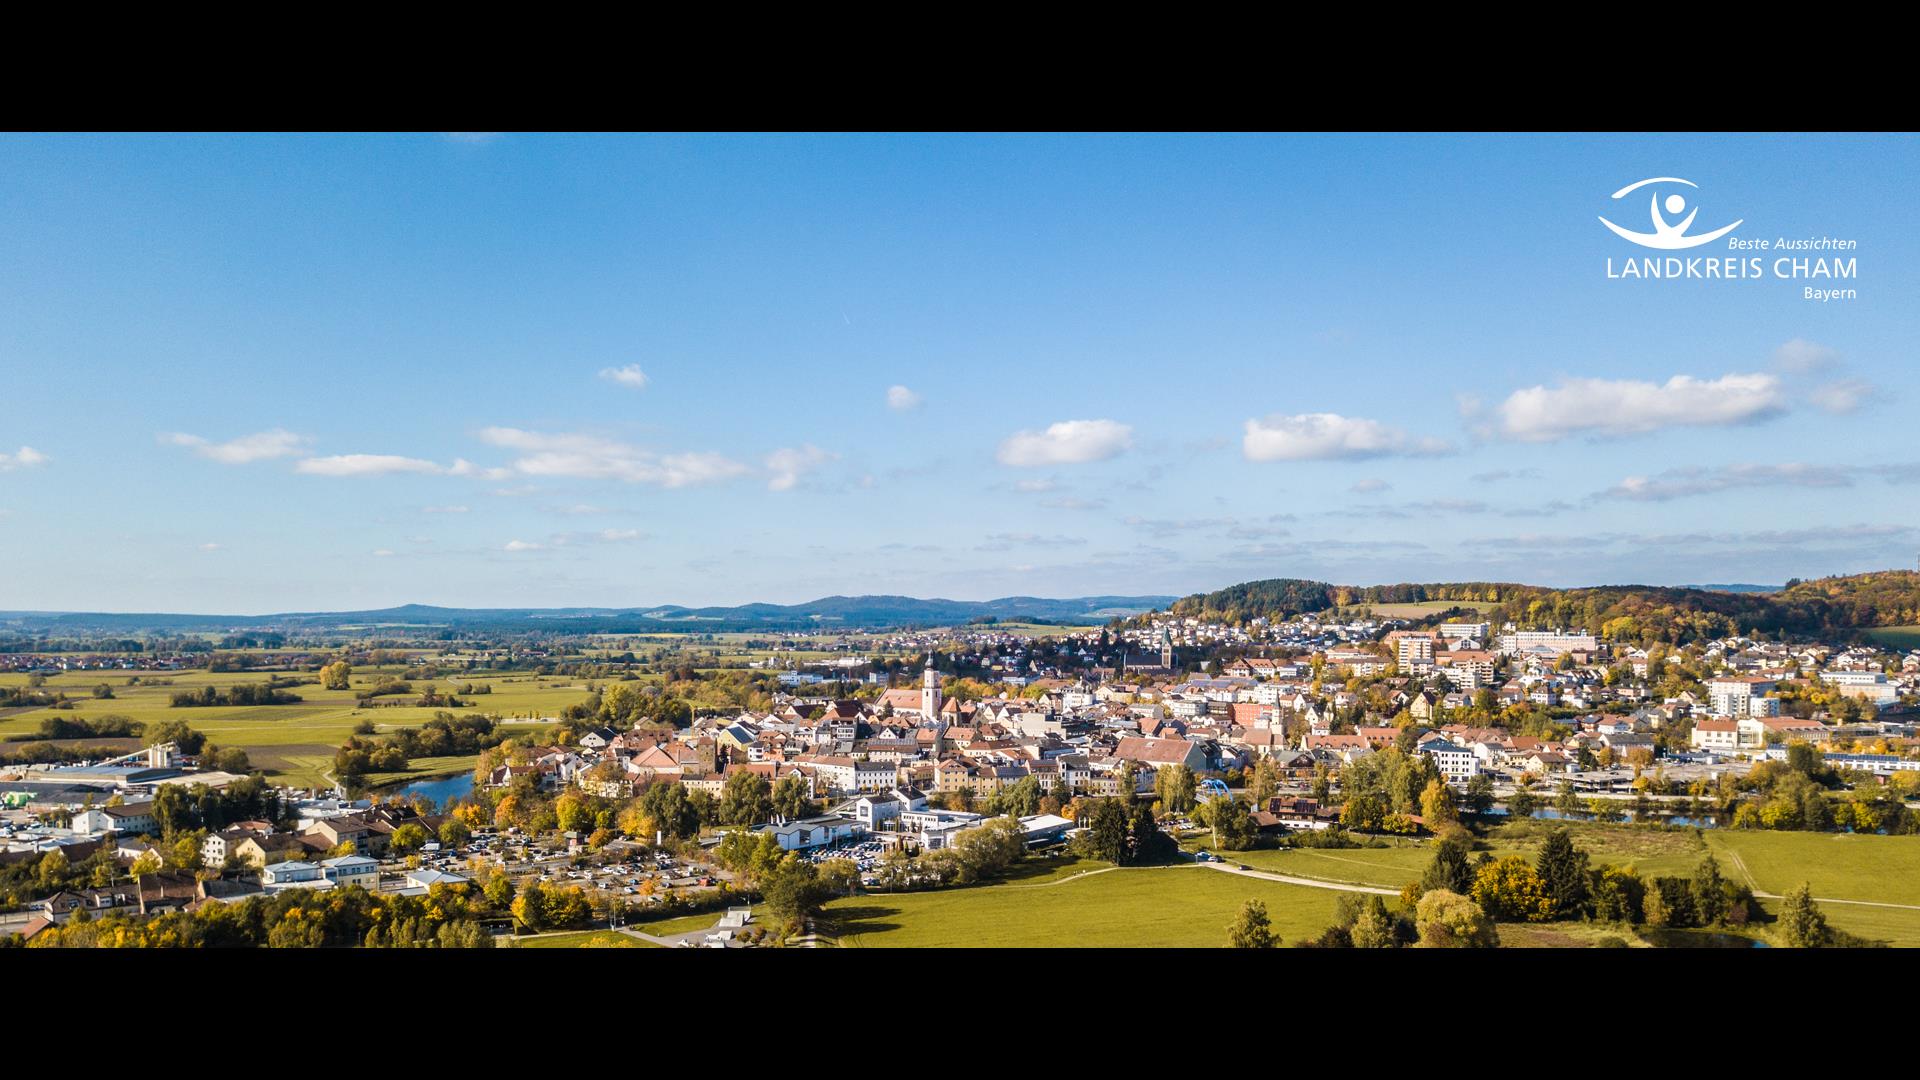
(1665, 236)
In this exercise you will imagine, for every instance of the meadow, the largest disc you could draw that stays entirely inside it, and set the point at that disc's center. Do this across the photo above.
(294, 743)
(1081, 905)
(1896, 637)
(1071, 902)
(1426, 608)
(586, 939)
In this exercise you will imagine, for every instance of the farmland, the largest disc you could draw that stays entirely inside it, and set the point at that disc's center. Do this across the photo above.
(293, 743)
(1427, 609)
(1896, 637)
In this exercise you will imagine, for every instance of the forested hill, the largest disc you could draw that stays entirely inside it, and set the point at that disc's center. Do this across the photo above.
(1642, 613)
(828, 612)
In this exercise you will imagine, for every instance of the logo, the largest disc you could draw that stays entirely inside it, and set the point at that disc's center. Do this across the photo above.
(1665, 235)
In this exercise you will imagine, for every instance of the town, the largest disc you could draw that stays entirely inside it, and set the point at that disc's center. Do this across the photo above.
(718, 541)
(903, 762)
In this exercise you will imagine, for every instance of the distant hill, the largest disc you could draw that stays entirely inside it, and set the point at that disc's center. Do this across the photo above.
(867, 612)
(1641, 613)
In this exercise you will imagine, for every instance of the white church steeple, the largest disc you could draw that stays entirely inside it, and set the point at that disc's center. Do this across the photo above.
(930, 705)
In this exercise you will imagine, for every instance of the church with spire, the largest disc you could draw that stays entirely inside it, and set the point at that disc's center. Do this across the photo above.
(930, 706)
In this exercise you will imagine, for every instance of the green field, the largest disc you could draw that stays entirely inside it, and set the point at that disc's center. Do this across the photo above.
(1656, 852)
(1040, 629)
(1426, 608)
(1896, 637)
(586, 939)
(681, 924)
(1875, 870)
(295, 743)
(1870, 870)
(1082, 905)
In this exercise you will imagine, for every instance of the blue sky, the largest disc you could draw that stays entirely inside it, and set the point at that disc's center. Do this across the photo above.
(253, 374)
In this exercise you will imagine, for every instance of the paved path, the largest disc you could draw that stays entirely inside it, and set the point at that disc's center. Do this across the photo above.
(1311, 883)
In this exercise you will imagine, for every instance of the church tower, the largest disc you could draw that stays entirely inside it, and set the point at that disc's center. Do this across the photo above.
(1166, 648)
(930, 706)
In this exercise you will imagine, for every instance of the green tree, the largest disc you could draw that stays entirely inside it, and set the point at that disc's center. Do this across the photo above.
(790, 799)
(1449, 870)
(1174, 786)
(792, 893)
(1447, 920)
(746, 799)
(1479, 794)
(454, 833)
(1802, 925)
(1709, 892)
(1563, 868)
(408, 838)
(1252, 929)
(1373, 929)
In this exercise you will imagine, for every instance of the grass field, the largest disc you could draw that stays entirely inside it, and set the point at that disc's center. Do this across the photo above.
(1041, 629)
(1875, 870)
(683, 924)
(1656, 852)
(1426, 608)
(293, 743)
(1896, 637)
(1080, 905)
(1871, 870)
(586, 939)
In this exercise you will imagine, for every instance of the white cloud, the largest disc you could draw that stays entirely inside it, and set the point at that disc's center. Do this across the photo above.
(589, 457)
(1800, 356)
(789, 464)
(1842, 395)
(24, 458)
(244, 450)
(521, 545)
(443, 509)
(900, 398)
(630, 376)
(1370, 486)
(1691, 481)
(1608, 407)
(463, 467)
(1070, 442)
(1323, 436)
(383, 553)
(365, 465)
(210, 547)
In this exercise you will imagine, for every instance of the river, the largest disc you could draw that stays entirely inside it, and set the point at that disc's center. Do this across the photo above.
(441, 789)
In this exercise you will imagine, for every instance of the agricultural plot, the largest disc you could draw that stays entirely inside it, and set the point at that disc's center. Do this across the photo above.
(1896, 637)
(1427, 608)
(294, 743)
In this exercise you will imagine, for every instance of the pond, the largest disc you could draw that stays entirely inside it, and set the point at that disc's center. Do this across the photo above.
(1670, 938)
(1705, 821)
(441, 789)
